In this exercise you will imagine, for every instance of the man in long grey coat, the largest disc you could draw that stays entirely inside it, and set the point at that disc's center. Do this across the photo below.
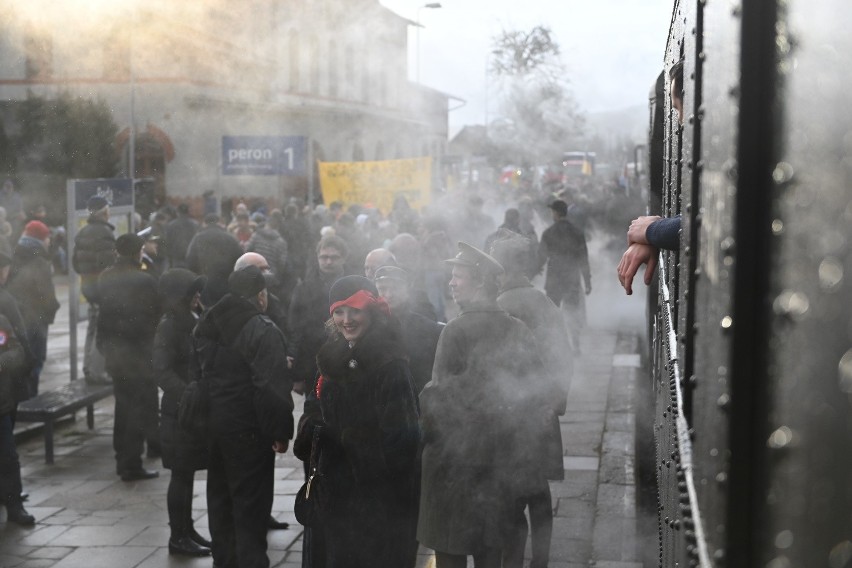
(473, 417)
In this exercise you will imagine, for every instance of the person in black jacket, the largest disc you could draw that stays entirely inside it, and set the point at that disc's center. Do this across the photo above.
(31, 283)
(13, 373)
(212, 253)
(127, 321)
(370, 434)
(241, 355)
(94, 252)
(179, 233)
(309, 309)
(419, 333)
(184, 452)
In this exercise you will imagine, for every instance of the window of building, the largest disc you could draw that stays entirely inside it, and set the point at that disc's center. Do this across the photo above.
(295, 62)
(332, 68)
(38, 50)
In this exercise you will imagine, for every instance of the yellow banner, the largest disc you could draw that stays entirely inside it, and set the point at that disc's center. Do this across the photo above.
(377, 183)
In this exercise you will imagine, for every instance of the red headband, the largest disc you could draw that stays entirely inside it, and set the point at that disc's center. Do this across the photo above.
(360, 300)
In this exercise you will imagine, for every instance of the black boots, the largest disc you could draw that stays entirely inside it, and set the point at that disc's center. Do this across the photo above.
(16, 513)
(185, 546)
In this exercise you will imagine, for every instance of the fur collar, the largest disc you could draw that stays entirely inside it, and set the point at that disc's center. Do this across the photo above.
(378, 347)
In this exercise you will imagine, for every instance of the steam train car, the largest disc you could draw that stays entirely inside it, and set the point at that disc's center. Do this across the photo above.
(751, 349)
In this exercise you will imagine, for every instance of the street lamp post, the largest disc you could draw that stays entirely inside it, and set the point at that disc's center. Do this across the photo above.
(433, 6)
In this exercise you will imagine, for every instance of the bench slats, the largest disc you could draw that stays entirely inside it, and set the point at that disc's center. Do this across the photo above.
(50, 405)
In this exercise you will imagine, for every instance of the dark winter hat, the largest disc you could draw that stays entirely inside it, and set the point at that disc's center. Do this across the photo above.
(560, 207)
(129, 245)
(356, 292)
(391, 273)
(96, 203)
(471, 256)
(511, 250)
(180, 283)
(247, 282)
(36, 230)
(211, 219)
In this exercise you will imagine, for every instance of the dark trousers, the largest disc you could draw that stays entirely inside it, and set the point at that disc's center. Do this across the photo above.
(488, 558)
(10, 467)
(541, 527)
(239, 499)
(133, 392)
(37, 338)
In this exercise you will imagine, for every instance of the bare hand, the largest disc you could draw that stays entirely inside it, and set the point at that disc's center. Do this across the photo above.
(638, 227)
(635, 256)
(299, 387)
(290, 361)
(280, 447)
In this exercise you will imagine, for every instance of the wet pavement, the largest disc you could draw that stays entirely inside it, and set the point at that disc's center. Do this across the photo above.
(87, 517)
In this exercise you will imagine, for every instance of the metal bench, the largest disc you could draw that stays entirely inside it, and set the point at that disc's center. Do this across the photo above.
(49, 406)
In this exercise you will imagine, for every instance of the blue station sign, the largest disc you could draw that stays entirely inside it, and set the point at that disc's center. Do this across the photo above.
(264, 155)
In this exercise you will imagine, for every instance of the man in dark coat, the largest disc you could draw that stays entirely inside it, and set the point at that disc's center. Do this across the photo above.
(212, 253)
(31, 283)
(309, 309)
(94, 252)
(14, 373)
(419, 333)
(241, 355)
(520, 299)
(179, 233)
(474, 417)
(127, 321)
(563, 250)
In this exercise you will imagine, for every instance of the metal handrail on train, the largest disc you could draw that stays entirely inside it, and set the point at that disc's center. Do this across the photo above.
(683, 437)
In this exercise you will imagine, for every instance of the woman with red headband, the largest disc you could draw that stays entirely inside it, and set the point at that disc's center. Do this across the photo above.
(371, 433)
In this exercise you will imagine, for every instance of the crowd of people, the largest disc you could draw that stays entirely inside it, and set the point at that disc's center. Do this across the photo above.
(433, 371)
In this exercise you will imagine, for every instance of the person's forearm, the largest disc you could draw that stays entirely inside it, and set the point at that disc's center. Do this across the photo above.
(665, 233)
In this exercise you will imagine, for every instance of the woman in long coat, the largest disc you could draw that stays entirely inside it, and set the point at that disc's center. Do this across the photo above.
(371, 434)
(184, 452)
(478, 421)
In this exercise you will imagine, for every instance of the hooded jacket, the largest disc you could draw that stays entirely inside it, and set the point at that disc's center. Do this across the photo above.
(31, 283)
(243, 357)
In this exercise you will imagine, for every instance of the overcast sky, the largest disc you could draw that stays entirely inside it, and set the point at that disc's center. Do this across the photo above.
(613, 49)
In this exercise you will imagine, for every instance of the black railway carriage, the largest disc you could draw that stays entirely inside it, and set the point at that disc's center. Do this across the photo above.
(752, 342)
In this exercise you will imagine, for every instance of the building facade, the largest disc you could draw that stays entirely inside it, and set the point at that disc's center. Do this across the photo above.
(185, 75)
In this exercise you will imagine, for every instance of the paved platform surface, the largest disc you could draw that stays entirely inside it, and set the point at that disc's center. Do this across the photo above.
(87, 517)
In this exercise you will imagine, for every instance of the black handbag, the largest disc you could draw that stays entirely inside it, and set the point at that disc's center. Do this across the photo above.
(312, 497)
(194, 407)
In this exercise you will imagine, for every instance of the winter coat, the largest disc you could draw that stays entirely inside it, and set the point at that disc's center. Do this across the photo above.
(270, 245)
(521, 300)
(179, 234)
(369, 449)
(307, 317)
(10, 310)
(420, 337)
(182, 449)
(242, 356)
(12, 362)
(475, 418)
(94, 252)
(213, 253)
(128, 316)
(563, 249)
(31, 283)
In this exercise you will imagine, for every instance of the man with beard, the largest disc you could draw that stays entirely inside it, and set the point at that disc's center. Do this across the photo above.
(474, 416)
(127, 322)
(309, 309)
(241, 356)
